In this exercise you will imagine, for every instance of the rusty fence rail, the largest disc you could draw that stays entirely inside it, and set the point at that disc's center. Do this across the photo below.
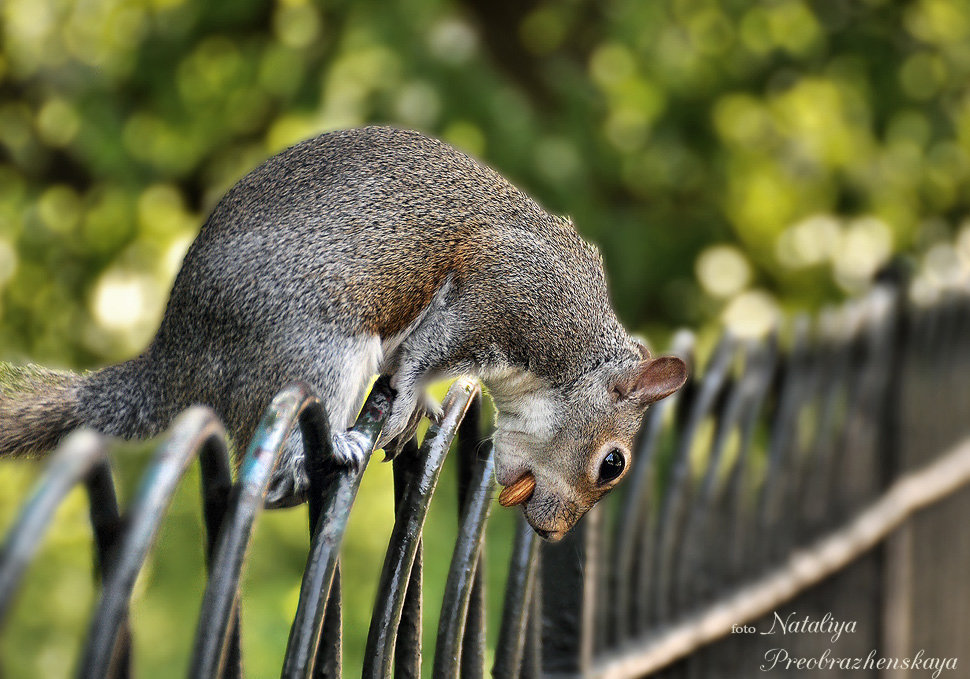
(821, 472)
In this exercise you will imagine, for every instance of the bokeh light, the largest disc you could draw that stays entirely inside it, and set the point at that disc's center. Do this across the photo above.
(723, 270)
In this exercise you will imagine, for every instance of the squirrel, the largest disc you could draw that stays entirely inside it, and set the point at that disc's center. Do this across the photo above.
(380, 250)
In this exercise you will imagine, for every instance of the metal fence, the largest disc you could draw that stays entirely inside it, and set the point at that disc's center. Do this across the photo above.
(817, 476)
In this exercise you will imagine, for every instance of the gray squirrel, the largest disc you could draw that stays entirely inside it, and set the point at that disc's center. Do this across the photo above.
(382, 250)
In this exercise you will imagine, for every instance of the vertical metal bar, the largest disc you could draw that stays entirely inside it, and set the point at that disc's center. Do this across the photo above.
(740, 514)
(929, 364)
(407, 648)
(216, 481)
(569, 598)
(318, 458)
(602, 595)
(839, 387)
(473, 642)
(783, 439)
(403, 544)
(896, 555)
(532, 662)
(844, 480)
(105, 648)
(519, 594)
(329, 660)
(783, 538)
(461, 576)
(103, 510)
(107, 526)
(858, 473)
(318, 453)
(80, 455)
(340, 486)
(831, 361)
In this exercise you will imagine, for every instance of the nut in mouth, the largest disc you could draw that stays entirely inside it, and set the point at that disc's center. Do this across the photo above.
(518, 492)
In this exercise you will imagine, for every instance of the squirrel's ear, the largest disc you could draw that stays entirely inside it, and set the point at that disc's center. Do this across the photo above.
(653, 379)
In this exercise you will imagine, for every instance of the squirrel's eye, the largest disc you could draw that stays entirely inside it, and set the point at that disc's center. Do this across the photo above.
(611, 466)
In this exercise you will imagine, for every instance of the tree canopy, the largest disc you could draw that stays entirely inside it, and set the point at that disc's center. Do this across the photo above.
(728, 156)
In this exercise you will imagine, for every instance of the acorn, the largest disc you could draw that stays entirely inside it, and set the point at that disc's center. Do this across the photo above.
(518, 492)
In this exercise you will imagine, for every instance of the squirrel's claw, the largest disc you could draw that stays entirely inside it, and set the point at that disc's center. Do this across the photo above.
(394, 441)
(432, 409)
(350, 449)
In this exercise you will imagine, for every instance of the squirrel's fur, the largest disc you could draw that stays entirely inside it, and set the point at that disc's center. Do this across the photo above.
(37, 407)
(371, 250)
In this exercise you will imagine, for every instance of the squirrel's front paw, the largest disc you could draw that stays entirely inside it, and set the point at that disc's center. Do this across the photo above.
(290, 483)
(350, 448)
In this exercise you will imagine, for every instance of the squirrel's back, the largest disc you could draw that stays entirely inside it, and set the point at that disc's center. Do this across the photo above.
(361, 227)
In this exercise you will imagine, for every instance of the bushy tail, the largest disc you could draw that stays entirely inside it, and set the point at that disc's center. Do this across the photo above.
(38, 407)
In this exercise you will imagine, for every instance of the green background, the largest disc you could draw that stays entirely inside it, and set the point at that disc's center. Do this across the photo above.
(734, 160)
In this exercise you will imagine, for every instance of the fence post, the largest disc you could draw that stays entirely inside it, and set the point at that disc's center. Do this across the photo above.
(896, 554)
(569, 577)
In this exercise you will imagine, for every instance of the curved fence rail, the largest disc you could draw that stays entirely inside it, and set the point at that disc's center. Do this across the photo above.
(817, 472)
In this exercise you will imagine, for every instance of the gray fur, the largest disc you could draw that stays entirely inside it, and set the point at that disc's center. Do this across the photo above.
(378, 248)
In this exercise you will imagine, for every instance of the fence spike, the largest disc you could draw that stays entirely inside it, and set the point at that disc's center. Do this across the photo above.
(191, 433)
(216, 650)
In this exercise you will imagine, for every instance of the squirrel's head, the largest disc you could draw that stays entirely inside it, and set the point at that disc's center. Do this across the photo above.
(576, 441)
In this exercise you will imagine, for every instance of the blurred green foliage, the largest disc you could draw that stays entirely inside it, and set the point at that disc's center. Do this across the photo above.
(732, 158)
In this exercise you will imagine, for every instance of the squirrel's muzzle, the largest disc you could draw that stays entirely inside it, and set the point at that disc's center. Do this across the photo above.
(518, 492)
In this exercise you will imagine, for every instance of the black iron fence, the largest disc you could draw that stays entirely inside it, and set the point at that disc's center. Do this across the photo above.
(801, 500)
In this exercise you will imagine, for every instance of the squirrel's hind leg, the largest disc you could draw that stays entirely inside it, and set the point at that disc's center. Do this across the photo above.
(431, 351)
(426, 406)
